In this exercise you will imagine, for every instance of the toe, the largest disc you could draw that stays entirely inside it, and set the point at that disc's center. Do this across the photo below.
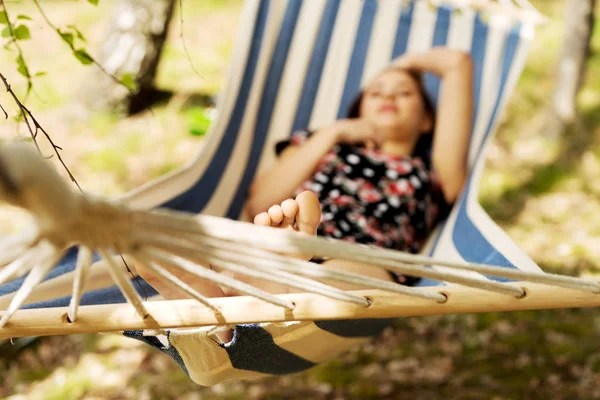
(309, 212)
(262, 219)
(276, 215)
(290, 209)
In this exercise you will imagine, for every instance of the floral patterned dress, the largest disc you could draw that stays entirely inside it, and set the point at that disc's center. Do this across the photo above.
(375, 198)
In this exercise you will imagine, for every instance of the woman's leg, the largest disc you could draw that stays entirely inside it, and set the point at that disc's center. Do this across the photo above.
(204, 287)
(305, 211)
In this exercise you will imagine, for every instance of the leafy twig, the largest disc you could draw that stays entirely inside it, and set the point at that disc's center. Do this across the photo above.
(83, 56)
(27, 115)
(23, 69)
(185, 49)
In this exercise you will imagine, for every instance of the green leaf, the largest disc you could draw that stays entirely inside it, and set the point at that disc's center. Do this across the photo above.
(6, 32)
(41, 73)
(3, 17)
(198, 121)
(21, 32)
(83, 56)
(94, 2)
(22, 67)
(77, 31)
(23, 70)
(67, 37)
(129, 81)
(21, 16)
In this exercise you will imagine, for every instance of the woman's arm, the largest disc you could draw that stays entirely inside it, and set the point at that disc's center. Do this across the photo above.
(454, 115)
(297, 163)
(294, 166)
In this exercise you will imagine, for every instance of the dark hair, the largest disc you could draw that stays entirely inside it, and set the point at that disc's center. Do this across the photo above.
(425, 142)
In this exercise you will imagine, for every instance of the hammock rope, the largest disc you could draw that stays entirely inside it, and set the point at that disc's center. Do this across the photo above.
(251, 267)
(48, 257)
(281, 278)
(120, 277)
(186, 242)
(223, 254)
(220, 279)
(288, 242)
(175, 282)
(84, 261)
(309, 269)
(521, 10)
(365, 254)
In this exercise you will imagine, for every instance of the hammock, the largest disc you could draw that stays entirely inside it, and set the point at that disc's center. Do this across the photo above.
(297, 64)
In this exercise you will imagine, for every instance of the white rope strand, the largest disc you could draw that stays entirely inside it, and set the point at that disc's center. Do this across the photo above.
(310, 269)
(120, 277)
(187, 266)
(21, 265)
(49, 256)
(478, 283)
(84, 260)
(501, 272)
(287, 279)
(252, 267)
(174, 281)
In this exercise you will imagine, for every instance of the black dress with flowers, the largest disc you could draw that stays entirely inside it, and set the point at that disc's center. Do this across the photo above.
(375, 198)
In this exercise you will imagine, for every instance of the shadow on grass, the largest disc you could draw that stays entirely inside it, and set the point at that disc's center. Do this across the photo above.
(151, 97)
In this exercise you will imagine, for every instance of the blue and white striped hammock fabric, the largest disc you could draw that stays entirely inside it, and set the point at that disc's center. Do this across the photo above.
(298, 64)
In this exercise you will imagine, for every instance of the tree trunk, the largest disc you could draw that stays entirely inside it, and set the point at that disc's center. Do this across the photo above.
(137, 33)
(579, 24)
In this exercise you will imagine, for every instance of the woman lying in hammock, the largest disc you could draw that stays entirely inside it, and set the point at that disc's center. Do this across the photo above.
(384, 176)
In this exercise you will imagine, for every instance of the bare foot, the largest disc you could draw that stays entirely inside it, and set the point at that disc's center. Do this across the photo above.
(302, 215)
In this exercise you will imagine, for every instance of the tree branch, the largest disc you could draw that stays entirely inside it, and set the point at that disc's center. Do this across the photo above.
(4, 111)
(185, 49)
(27, 115)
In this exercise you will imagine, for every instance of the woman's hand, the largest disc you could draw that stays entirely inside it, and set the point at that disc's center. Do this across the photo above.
(356, 131)
(438, 60)
(404, 61)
